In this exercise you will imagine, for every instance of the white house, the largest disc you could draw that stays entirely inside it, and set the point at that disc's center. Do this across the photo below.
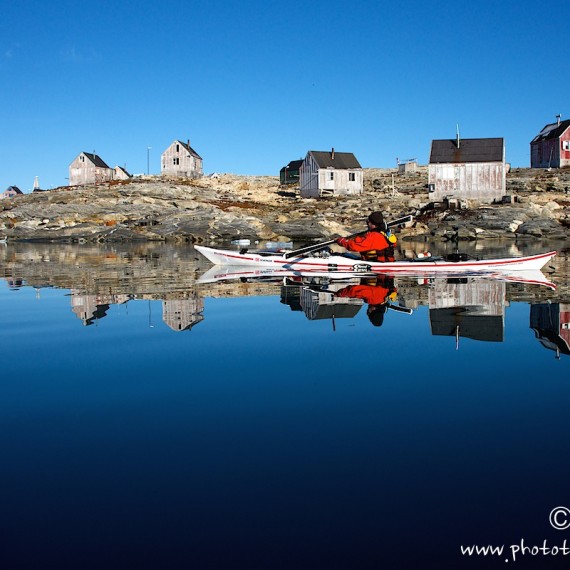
(180, 159)
(467, 169)
(89, 168)
(325, 173)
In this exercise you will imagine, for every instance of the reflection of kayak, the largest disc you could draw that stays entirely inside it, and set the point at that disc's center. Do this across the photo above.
(249, 273)
(346, 264)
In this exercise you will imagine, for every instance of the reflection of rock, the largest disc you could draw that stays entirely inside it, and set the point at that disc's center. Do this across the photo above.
(551, 325)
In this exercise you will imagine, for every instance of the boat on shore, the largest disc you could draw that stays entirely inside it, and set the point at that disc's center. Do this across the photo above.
(326, 262)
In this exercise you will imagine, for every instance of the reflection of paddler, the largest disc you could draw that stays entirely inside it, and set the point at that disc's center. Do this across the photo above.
(377, 292)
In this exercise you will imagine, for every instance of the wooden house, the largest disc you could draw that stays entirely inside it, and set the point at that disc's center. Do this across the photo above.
(290, 174)
(408, 167)
(471, 169)
(120, 173)
(325, 173)
(10, 192)
(551, 147)
(89, 168)
(180, 159)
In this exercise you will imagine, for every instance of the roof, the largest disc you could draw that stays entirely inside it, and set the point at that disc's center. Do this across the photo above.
(552, 131)
(470, 150)
(341, 160)
(96, 159)
(14, 189)
(188, 148)
(293, 165)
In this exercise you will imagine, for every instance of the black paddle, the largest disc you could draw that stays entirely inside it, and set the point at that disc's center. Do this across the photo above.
(318, 246)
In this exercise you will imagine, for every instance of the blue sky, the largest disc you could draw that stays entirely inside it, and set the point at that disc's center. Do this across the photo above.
(256, 84)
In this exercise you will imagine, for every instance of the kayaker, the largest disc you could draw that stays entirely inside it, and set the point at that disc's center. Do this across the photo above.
(377, 244)
(377, 292)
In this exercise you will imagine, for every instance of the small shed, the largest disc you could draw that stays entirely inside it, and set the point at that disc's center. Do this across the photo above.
(181, 160)
(11, 191)
(467, 169)
(290, 174)
(89, 168)
(408, 167)
(120, 173)
(330, 173)
(551, 147)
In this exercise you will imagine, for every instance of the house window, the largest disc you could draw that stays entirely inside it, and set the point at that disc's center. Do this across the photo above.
(565, 145)
(351, 177)
(331, 177)
(176, 161)
(177, 148)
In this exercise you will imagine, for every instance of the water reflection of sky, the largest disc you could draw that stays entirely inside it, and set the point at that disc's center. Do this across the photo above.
(258, 438)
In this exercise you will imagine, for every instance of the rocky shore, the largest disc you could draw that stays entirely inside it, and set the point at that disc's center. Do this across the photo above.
(226, 207)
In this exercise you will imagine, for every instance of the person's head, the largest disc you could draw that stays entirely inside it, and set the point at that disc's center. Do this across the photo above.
(376, 220)
(376, 314)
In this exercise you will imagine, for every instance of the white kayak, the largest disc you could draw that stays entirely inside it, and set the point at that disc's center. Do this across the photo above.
(341, 263)
(248, 273)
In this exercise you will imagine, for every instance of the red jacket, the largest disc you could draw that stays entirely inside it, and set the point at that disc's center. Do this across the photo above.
(372, 294)
(370, 241)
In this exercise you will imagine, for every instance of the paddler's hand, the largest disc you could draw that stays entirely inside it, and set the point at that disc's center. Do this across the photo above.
(343, 242)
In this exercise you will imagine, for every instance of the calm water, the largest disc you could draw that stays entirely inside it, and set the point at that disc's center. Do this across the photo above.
(152, 421)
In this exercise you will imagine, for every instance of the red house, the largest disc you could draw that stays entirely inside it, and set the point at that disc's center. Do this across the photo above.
(551, 147)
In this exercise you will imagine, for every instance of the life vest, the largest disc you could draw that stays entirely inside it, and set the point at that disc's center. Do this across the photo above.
(384, 254)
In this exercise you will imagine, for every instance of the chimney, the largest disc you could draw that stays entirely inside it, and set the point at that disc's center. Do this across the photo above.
(332, 153)
(188, 143)
(458, 139)
(558, 119)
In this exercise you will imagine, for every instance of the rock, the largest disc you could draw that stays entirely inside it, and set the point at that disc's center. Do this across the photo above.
(257, 207)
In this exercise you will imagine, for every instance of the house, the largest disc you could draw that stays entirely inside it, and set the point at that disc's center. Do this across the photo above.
(551, 147)
(10, 192)
(471, 169)
(89, 168)
(408, 167)
(120, 173)
(325, 173)
(180, 159)
(290, 174)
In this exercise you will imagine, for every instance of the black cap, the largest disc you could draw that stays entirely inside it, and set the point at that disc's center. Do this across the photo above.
(376, 314)
(376, 218)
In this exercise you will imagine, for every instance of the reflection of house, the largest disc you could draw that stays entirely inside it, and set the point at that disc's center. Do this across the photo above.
(551, 325)
(469, 309)
(551, 147)
(290, 174)
(91, 308)
(330, 174)
(467, 169)
(183, 314)
(323, 305)
(291, 295)
(180, 159)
